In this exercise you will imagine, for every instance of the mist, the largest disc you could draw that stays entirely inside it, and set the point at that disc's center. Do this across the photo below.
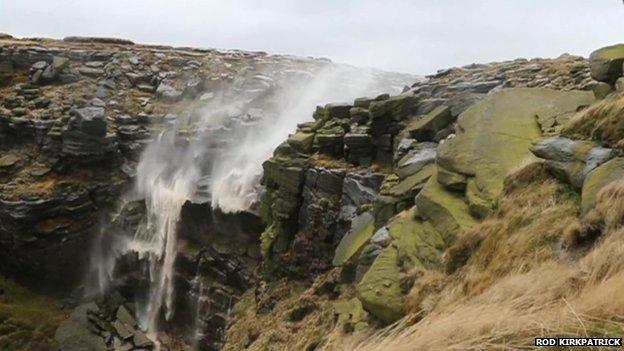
(236, 173)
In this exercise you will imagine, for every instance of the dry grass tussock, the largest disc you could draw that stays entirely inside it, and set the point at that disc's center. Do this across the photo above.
(602, 121)
(511, 278)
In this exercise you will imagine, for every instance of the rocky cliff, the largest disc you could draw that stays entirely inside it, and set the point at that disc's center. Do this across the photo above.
(76, 117)
(373, 206)
(370, 212)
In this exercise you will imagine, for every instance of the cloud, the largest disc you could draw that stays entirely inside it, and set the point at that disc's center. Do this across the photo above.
(410, 36)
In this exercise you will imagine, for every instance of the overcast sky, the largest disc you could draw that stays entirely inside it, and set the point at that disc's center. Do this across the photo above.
(418, 36)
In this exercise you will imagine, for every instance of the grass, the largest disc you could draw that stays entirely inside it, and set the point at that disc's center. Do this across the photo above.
(285, 315)
(602, 121)
(27, 320)
(512, 278)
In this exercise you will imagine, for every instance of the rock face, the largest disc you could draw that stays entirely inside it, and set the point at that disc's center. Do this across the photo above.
(76, 116)
(503, 118)
(446, 147)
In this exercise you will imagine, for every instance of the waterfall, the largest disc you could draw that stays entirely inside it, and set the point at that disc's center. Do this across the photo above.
(166, 178)
(213, 153)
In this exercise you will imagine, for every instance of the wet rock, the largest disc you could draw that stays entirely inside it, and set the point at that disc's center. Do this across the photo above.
(125, 317)
(359, 115)
(359, 148)
(140, 340)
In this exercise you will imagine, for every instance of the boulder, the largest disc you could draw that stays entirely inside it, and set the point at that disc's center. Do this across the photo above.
(91, 120)
(408, 187)
(452, 180)
(601, 90)
(420, 156)
(350, 245)
(418, 243)
(408, 243)
(606, 173)
(358, 190)
(364, 102)
(283, 176)
(387, 112)
(460, 102)
(426, 127)
(90, 72)
(571, 160)
(168, 93)
(359, 115)
(302, 142)
(379, 290)
(446, 211)
(605, 63)
(338, 110)
(330, 144)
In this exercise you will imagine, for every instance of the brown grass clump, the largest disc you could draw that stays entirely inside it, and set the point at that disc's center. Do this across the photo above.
(518, 281)
(602, 121)
(608, 215)
(287, 315)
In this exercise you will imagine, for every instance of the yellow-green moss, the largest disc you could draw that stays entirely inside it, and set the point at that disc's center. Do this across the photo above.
(27, 320)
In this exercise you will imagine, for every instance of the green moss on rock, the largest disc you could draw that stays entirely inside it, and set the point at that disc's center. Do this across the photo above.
(426, 127)
(448, 212)
(605, 63)
(27, 320)
(379, 290)
(361, 231)
(495, 134)
(606, 173)
(418, 243)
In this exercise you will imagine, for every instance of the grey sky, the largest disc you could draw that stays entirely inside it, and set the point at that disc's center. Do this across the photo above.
(417, 36)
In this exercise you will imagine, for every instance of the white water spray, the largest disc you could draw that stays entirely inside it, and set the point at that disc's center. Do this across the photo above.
(183, 157)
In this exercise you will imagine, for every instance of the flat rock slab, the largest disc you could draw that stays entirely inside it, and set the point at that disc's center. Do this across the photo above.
(362, 229)
(494, 136)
